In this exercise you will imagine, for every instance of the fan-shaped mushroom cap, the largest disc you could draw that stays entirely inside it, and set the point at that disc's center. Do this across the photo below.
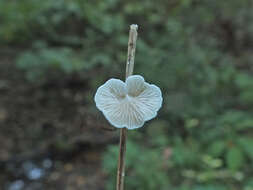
(128, 104)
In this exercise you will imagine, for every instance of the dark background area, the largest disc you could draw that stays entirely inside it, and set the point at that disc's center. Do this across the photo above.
(55, 54)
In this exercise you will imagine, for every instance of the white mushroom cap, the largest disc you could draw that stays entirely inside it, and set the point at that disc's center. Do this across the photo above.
(128, 104)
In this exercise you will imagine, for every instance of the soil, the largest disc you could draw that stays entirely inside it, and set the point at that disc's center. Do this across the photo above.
(51, 135)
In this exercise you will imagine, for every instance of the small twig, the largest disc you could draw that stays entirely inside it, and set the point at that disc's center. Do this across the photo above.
(131, 49)
(123, 131)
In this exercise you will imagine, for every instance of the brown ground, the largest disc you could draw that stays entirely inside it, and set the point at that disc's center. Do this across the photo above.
(57, 121)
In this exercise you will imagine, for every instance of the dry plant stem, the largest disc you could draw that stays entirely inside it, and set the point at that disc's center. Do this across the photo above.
(123, 131)
(121, 160)
(131, 50)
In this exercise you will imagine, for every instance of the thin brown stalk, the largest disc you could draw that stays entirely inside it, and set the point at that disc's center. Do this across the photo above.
(123, 131)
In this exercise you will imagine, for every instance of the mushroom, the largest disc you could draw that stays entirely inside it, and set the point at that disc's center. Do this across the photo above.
(128, 104)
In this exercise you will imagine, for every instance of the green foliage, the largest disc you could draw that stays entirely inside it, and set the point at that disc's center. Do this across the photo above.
(244, 83)
(198, 52)
(49, 63)
(234, 158)
(43, 63)
(246, 144)
(137, 158)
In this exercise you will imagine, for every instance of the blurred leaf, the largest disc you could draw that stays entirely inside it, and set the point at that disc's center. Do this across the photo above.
(210, 187)
(234, 158)
(244, 81)
(247, 145)
(217, 148)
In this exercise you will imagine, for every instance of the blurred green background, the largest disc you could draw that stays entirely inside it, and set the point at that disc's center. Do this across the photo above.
(55, 54)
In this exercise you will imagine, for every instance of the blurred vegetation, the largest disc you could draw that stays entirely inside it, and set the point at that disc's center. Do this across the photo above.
(198, 52)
